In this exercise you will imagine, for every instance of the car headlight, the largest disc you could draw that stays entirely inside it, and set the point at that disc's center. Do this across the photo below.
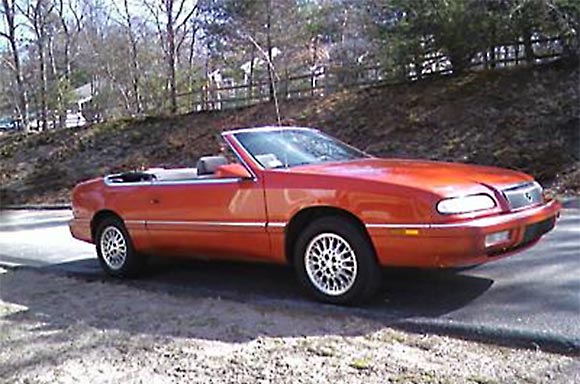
(465, 204)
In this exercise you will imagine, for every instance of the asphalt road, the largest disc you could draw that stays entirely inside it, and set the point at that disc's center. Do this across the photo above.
(532, 298)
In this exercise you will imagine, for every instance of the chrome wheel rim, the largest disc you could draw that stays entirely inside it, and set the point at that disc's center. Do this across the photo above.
(330, 264)
(113, 247)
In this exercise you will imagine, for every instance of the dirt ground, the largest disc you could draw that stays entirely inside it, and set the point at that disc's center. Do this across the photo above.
(57, 329)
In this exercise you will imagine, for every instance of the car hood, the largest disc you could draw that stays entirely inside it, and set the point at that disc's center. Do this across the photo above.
(443, 178)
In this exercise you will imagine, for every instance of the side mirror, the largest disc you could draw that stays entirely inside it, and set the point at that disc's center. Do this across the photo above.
(232, 171)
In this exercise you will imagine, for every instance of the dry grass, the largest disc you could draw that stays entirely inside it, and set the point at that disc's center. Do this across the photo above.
(56, 329)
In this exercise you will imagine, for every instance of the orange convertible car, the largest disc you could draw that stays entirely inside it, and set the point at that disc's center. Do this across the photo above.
(297, 196)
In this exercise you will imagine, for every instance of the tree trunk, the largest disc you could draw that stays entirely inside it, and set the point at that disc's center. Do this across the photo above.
(528, 48)
(190, 58)
(493, 57)
(22, 95)
(135, 68)
(269, 47)
(43, 83)
(170, 30)
(251, 76)
(205, 98)
(67, 61)
(136, 78)
(59, 86)
(313, 65)
(67, 40)
(459, 62)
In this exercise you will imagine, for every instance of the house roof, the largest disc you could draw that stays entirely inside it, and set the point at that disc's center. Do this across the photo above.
(84, 92)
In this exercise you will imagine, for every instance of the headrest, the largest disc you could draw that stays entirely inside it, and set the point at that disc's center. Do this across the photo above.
(208, 164)
(269, 160)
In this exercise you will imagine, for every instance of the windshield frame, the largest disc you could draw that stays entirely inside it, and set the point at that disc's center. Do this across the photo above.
(233, 134)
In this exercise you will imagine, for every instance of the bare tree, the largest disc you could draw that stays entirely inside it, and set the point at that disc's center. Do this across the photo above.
(10, 34)
(37, 13)
(171, 18)
(61, 37)
(94, 56)
(191, 55)
(60, 97)
(127, 22)
(71, 21)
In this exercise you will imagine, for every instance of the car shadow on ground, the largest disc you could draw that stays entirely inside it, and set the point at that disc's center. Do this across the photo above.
(256, 290)
(404, 293)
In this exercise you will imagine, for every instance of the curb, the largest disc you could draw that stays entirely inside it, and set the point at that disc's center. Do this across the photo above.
(37, 207)
(494, 335)
(571, 203)
(37, 224)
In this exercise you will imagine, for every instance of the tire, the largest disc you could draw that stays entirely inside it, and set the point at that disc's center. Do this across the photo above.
(115, 249)
(335, 262)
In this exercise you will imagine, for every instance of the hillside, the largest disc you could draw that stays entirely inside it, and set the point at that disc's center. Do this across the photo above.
(526, 119)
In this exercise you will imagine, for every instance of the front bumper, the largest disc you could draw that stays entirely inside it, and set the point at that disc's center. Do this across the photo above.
(462, 243)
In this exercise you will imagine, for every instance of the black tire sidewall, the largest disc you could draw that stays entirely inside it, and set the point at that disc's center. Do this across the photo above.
(368, 272)
(131, 265)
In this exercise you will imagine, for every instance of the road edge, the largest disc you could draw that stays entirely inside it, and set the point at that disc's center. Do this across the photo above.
(515, 338)
(36, 207)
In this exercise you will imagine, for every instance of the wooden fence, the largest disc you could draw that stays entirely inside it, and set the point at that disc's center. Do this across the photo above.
(331, 79)
(295, 87)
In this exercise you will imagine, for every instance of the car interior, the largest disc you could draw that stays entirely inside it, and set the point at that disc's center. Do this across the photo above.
(206, 167)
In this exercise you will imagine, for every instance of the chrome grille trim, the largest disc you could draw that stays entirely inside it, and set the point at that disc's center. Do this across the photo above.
(523, 195)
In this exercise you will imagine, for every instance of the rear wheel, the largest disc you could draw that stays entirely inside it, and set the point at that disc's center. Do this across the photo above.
(335, 262)
(115, 249)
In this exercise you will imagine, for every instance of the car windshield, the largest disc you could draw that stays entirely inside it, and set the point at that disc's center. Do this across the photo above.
(291, 147)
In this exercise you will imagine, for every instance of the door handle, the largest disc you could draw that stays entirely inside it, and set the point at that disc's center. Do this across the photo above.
(155, 201)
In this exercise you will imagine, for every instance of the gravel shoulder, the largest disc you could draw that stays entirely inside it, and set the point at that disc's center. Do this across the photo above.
(57, 329)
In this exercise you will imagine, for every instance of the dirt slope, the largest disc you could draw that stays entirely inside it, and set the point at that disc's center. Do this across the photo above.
(526, 119)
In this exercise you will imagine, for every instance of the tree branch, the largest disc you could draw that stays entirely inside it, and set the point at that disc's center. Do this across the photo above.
(8, 63)
(186, 19)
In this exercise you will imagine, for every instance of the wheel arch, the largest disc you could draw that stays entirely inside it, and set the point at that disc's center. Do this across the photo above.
(306, 215)
(99, 217)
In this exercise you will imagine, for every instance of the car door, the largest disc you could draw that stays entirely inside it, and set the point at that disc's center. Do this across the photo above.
(209, 218)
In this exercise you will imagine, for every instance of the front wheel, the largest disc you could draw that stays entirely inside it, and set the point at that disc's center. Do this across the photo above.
(335, 262)
(115, 249)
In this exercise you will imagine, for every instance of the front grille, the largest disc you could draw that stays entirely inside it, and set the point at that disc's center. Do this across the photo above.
(523, 195)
